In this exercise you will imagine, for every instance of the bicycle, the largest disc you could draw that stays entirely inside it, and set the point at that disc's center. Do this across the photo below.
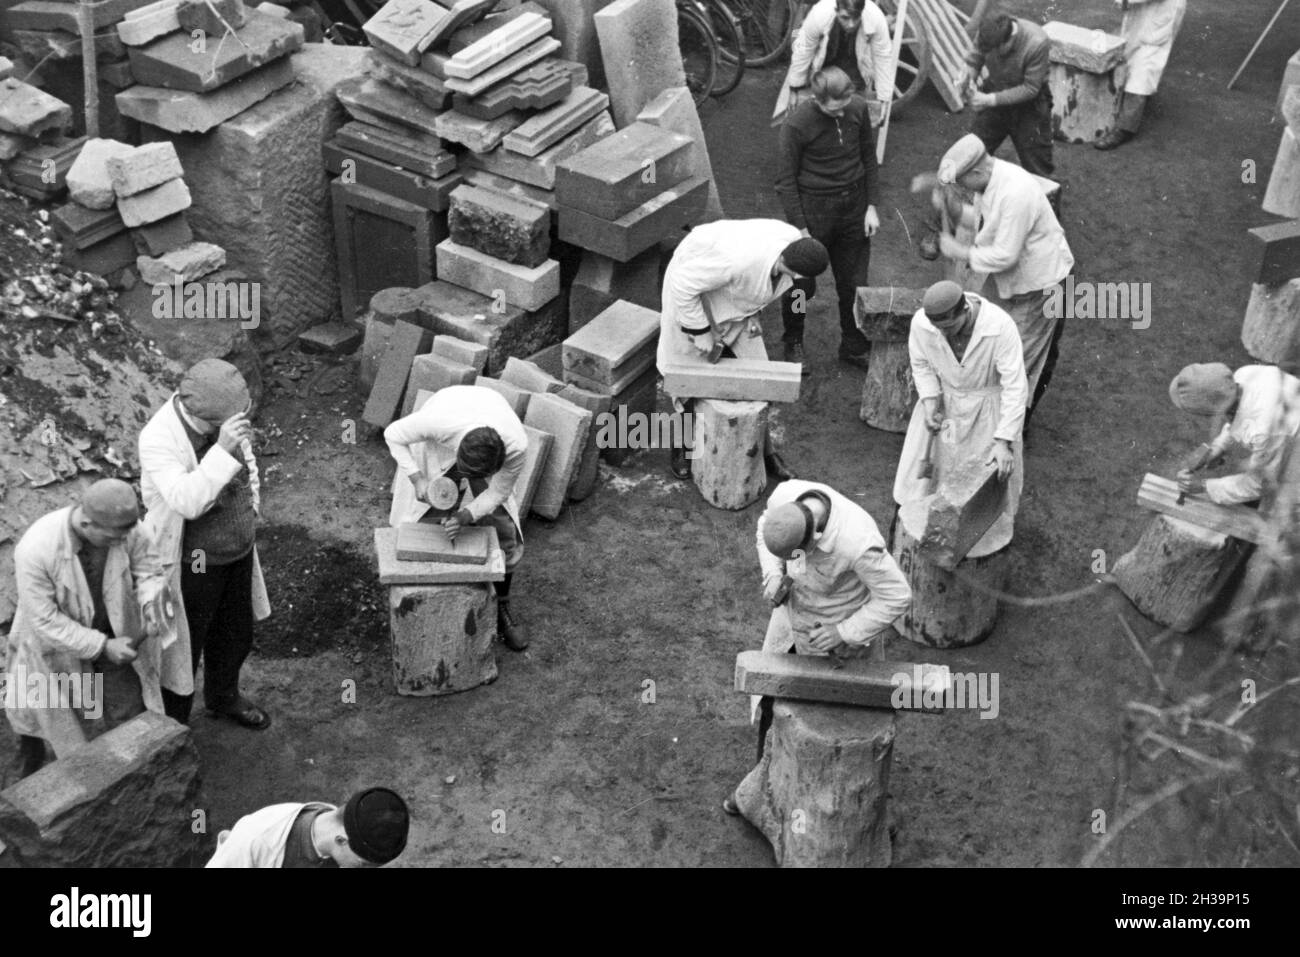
(728, 33)
(699, 50)
(767, 27)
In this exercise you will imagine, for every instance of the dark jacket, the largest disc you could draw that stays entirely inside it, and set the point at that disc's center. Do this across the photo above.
(1021, 75)
(820, 155)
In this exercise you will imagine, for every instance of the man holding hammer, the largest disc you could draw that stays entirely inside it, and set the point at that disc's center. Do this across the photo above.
(458, 458)
(970, 376)
(834, 588)
(719, 279)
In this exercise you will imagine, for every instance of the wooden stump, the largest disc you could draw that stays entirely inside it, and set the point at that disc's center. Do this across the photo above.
(1271, 330)
(1171, 574)
(727, 451)
(888, 391)
(442, 637)
(1283, 195)
(1084, 104)
(884, 316)
(820, 793)
(949, 609)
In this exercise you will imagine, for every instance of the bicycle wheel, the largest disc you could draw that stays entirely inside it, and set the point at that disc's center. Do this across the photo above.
(731, 46)
(699, 52)
(766, 27)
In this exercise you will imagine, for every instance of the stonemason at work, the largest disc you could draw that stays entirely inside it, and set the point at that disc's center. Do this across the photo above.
(469, 437)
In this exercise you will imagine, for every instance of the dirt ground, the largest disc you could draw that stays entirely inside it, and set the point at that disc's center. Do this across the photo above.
(645, 581)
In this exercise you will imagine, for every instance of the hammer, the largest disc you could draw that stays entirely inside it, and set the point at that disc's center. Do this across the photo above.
(718, 345)
(926, 468)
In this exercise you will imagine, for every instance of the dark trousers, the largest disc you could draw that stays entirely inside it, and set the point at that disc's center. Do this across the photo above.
(1130, 112)
(835, 222)
(219, 607)
(765, 716)
(1030, 127)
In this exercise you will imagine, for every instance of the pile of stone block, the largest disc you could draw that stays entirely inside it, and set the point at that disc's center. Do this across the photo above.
(128, 209)
(614, 356)
(35, 149)
(46, 38)
(630, 191)
(199, 63)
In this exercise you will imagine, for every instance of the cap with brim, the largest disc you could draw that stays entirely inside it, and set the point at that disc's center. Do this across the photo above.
(961, 158)
(941, 299)
(1206, 388)
(376, 822)
(785, 528)
(110, 503)
(213, 390)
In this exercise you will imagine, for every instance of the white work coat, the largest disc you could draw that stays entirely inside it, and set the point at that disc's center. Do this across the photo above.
(258, 839)
(51, 633)
(983, 397)
(727, 264)
(426, 441)
(1149, 29)
(872, 43)
(177, 487)
(1267, 416)
(1020, 241)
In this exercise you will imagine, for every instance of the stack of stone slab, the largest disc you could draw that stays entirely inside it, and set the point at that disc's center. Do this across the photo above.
(1085, 93)
(35, 150)
(630, 191)
(614, 356)
(116, 187)
(199, 63)
(48, 38)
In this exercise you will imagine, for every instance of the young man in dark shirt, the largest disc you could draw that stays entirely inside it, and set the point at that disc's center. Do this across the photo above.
(827, 182)
(1015, 99)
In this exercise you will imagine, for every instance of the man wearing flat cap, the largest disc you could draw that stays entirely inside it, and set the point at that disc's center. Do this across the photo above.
(970, 378)
(1020, 243)
(1261, 406)
(719, 278)
(369, 831)
(834, 587)
(83, 649)
(200, 484)
(469, 435)
(1015, 98)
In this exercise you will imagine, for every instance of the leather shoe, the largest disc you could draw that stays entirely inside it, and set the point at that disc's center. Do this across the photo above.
(776, 467)
(929, 246)
(1112, 139)
(793, 352)
(511, 632)
(680, 464)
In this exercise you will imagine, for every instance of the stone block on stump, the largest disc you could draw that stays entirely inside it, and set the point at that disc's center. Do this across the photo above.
(949, 609)
(825, 767)
(1082, 77)
(442, 637)
(727, 440)
(126, 799)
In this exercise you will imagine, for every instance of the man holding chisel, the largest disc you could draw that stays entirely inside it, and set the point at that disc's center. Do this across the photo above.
(970, 375)
(835, 589)
(719, 279)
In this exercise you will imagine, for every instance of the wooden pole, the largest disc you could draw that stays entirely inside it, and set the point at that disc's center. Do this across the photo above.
(89, 68)
(888, 105)
(1257, 43)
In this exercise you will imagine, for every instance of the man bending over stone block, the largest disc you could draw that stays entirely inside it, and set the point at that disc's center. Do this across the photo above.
(470, 436)
(369, 831)
(834, 588)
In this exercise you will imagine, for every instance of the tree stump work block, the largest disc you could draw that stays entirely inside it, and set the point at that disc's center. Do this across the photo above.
(727, 455)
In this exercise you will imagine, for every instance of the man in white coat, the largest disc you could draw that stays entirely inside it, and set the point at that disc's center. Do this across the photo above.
(850, 34)
(1262, 407)
(201, 486)
(90, 588)
(470, 435)
(721, 276)
(970, 378)
(834, 587)
(1149, 28)
(1020, 242)
(369, 831)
